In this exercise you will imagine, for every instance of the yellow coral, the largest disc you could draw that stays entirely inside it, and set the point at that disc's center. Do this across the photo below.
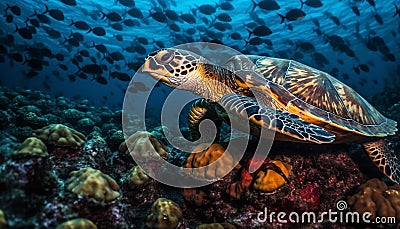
(137, 176)
(375, 197)
(33, 146)
(60, 135)
(165, 214)
(78, 223)
(143, 144)
(3, 221)
(270, 180)
(93, 184)
(216, 226)
(202, 156)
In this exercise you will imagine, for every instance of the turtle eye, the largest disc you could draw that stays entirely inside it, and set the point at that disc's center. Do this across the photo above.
(166, 57)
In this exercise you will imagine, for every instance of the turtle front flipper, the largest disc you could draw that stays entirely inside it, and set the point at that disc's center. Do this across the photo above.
(382, 154)
(261, 116)
(201, 109)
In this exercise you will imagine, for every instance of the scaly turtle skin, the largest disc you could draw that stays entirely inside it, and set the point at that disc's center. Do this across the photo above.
(300, 103)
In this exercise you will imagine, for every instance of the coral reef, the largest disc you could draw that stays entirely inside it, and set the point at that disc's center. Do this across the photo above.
(165, 214)
(93, 184)
(60, 135)
(33, 146)
(375, 197)
(36, 193)
(137, 176)
(79, 223)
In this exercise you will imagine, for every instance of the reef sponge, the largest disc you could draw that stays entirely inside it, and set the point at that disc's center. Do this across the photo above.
(60, 135)
(203, 156)
(375, 197)
(78, 223)
(272, 179)
(33, 146)
(164, 214)
(93, 184)
(137, 176)
(216, 226)
(143, 144)
(3, 221)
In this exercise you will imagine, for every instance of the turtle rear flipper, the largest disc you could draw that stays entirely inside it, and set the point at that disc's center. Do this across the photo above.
(382, 154)
(243, 107)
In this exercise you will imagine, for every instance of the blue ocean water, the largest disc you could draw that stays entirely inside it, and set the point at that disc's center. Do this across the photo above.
(360, 50)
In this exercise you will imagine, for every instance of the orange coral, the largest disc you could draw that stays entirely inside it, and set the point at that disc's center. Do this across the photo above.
(78, 223)
(377, 198)
(143, 144)
(271, 180)
(93, 184)
(165, 214)
(60, 135)
(203, 156)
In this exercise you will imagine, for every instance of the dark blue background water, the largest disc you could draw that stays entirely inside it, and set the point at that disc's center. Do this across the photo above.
(286, 41)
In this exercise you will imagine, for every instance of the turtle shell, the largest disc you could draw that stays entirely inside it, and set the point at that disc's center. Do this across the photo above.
(316, 97)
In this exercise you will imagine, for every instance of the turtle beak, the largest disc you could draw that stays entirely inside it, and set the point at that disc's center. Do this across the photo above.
(156, 71)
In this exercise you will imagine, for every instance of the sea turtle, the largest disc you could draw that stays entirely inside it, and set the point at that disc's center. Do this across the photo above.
(301, 103)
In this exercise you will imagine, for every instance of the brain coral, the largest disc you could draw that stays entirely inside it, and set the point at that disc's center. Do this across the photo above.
(93, 184)
(164, 214)
(78, 223)
(33, 146)
(143, 144)
(60, 135)
(203, 156)
(137, 176)
(376, 197)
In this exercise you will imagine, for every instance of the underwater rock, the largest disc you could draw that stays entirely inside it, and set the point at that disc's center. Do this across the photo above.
(203, 156)
(31, 119)
(78, 223)
(93, 184)
(270, 180)
(144, 145)
(377, 198)
(237, 189)
(86, 124)
(165, 214)
(137, 176)
(33, 146)
(60, 135)
(3, 221)
(4, 119)
(114, 139)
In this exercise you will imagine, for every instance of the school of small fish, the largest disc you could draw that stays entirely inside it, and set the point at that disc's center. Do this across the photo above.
(68, 40)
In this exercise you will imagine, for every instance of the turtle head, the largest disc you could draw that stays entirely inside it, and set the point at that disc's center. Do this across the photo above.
(172, 66)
